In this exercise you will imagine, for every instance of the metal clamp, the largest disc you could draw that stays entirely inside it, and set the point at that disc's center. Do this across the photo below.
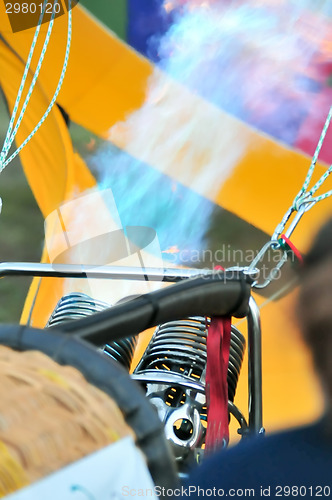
(304, 204)
(274, 245)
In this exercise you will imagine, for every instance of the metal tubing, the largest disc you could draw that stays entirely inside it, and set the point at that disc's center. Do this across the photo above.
(255, 369)
(302, 210)
(150, 377)
(102, 272)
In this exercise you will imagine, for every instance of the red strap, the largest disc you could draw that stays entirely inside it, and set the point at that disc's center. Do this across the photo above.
(218, 344)
(293, 248)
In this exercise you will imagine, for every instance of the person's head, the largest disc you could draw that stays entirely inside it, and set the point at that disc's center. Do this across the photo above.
(315, 306)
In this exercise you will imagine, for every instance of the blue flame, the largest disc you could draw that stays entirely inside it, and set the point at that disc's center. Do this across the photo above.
(146, 197)
(251, 59)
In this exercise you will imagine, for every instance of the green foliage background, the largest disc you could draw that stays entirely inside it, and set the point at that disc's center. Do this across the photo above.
(21, 223)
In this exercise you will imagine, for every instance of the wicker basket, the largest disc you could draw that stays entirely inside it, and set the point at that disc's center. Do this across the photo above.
(50, 416)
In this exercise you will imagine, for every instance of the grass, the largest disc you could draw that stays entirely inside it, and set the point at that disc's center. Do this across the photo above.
(21, 223)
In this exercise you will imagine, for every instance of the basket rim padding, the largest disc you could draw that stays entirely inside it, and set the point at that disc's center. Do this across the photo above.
(108, 375)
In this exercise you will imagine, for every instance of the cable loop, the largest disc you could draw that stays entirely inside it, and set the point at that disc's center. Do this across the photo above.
(300, 200)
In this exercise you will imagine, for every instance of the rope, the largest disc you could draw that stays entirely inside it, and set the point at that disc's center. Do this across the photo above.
(10, 136)
(316, 154)
(305, 200)
(7, 142)
(306, 197)
(32, 85)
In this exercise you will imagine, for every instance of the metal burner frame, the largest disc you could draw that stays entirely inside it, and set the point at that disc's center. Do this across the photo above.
(170, 275)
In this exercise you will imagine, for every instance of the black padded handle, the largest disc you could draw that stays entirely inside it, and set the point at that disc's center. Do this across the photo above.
(218, 294)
